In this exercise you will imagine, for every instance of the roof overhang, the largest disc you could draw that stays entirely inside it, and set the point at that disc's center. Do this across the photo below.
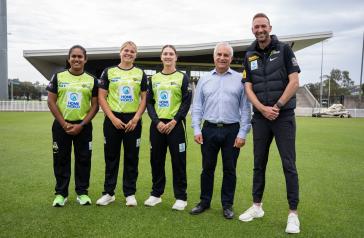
(46, 61)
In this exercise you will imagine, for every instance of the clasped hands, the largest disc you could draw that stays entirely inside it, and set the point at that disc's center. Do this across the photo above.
(271, 113)
(166, 128)
(130, 126)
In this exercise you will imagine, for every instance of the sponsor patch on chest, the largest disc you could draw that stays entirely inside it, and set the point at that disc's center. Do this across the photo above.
(254, 65)
(74, 100)
(164, 98)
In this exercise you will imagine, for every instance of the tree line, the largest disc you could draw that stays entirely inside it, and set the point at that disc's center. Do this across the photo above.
(26, 90)
(338, 82)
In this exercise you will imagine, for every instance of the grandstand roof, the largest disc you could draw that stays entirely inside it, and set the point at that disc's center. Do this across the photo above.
(195, 57)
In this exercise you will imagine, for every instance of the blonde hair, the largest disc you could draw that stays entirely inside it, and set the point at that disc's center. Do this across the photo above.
(132, 44)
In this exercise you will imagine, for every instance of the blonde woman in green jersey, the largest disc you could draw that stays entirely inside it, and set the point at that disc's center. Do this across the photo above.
(122, 97)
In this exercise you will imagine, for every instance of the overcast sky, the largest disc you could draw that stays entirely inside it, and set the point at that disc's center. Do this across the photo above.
(45, 24)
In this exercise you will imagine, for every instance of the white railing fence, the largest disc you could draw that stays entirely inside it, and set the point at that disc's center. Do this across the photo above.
(24, 106)
(41, 106)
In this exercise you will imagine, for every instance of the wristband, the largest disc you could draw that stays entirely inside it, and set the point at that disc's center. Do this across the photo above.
(82, 123)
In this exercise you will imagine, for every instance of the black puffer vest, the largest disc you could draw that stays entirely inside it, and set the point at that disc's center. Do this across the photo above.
(268, 74)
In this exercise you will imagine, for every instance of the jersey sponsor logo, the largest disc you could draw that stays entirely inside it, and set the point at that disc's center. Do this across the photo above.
(126, 94)
(86, 86)
(74, 100)
(244, 74)
(115, 79)
(155, 85)
(138, 80)
(182, 147)
(253, 57)
(274, 52)
(55, 147)
(164, 99)
(254, 65)
(271, 59)
(62, 84)
(294, 61)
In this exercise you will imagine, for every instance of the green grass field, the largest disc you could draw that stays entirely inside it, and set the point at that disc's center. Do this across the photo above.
(330, 160)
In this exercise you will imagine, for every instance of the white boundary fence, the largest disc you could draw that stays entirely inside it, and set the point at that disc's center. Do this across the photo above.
(24, 106)
(41, 106)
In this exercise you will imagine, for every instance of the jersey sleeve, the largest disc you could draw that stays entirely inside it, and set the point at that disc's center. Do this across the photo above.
(144, 83)
(246, 72)
(53, 84)
(104, 80)
(290, 61)
(186, 99)
(95, 88)
(150, 103)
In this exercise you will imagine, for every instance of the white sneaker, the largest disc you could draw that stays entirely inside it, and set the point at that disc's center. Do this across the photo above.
(131, 201)
(293, 224)
(152, 201)
(179, 205)
(105, 200)
(253, 212)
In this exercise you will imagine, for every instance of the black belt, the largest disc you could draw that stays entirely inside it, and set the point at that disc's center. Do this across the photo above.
(210, 124)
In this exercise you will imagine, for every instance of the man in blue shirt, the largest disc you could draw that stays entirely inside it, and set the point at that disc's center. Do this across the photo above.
(221, 102)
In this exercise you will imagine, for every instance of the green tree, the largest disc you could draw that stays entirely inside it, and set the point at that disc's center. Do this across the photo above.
(339, 83)
(346, 80)
(314, 89)
(25, 90)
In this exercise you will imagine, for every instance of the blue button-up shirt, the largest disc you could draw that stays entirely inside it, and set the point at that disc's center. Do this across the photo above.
(221, 98)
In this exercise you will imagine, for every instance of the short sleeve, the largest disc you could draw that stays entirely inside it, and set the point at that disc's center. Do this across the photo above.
(53, 84)
(104, 80)
(290, 61)
(246, 72)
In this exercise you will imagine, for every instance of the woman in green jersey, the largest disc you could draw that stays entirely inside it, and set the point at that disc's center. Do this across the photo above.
(168, 102)
(72, 99)
(122, 97)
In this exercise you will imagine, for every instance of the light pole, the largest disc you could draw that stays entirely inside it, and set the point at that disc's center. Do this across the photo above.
(3, 52)
(322, 61)
(361, 70)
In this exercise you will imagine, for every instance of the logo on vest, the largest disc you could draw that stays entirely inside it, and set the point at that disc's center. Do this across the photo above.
(74, 100)
(126, 94)
(254, 65)
(164, 99)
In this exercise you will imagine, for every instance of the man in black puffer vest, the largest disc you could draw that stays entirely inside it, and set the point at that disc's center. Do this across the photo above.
(271, 80)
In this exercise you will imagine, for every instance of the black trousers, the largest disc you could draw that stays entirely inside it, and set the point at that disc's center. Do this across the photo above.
(62, 148)
(283, 129)
(112, 146)
(176, 142)
(214, 139)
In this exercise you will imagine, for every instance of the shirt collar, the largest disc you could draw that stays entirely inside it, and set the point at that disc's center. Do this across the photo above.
(229, 71)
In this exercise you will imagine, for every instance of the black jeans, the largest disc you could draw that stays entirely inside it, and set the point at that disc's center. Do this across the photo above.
(176, 142)
(214, 139)
(283, 129)
(62, 148)
(112, 146)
